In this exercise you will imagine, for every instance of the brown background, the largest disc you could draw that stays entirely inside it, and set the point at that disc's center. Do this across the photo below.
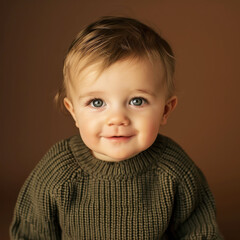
(205, 37)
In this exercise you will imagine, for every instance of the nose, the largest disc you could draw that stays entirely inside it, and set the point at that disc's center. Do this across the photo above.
(118, 118)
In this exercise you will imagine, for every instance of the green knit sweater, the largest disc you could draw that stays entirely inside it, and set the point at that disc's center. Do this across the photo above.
(158, 194)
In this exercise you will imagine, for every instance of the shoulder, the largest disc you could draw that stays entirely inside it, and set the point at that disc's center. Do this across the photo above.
(56, 167)
(176, 163)
(38, 196)
(185, 176)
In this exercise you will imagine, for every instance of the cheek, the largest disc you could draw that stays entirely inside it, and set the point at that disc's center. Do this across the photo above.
(88, 125)
(150, 120)
(88, 133)
(148, 127)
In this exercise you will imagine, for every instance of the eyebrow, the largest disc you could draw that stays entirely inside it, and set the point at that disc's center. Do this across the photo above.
(146, 92)
(93, 93)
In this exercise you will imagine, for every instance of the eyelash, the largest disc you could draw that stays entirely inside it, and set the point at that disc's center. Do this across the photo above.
(144, 101)
(90, 102)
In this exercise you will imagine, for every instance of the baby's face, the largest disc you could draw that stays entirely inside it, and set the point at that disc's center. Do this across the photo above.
(119, 112)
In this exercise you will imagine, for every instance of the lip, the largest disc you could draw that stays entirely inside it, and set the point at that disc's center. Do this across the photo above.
(119, 138)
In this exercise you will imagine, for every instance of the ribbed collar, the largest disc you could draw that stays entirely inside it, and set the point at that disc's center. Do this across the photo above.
(136, 165)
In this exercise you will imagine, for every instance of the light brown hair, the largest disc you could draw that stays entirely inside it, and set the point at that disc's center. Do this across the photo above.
(111, 39)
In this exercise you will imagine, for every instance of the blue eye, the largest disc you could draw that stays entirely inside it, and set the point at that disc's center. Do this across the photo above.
(138, 101)
(97, 103)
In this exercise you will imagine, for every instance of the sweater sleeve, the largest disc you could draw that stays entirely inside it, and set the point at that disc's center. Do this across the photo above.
(35, 214)
(194, 213)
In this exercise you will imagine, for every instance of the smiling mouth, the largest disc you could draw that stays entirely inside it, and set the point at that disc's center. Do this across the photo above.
(119, 138)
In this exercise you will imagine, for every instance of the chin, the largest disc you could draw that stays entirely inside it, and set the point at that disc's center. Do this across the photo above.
(119, 157)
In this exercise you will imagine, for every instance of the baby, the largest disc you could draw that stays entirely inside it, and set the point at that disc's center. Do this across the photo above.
(119, 178)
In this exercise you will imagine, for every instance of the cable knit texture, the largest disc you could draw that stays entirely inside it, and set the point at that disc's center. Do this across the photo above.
(158, 194)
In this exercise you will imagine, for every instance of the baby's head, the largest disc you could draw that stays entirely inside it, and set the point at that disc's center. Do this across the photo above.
(118, 86)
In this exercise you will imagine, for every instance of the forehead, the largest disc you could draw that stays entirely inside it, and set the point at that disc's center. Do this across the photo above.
(129, 73)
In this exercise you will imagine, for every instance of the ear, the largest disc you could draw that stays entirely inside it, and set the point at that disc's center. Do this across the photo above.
(69, 106)
(169, 107)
